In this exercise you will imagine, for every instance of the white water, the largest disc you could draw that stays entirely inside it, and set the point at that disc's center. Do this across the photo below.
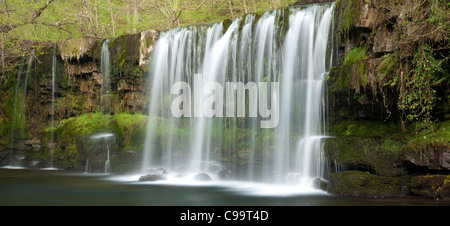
(52, 133)
(18, 124)
(297, 57)
(106, 84)
(106, 137)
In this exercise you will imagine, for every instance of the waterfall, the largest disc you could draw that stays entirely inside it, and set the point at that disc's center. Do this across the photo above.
(106, 84)
(270, 71)
(52, 132)
(18, 124)
(107, 164)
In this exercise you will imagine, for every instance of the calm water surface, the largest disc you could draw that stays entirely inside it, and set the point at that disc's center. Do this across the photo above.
(29, 187)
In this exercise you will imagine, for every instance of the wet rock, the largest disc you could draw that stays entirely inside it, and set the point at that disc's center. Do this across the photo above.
(35, 144)
(319, 183)
(152, 177)
(96, 147)
(364, 184)
(147, 40)
(382, 42)
(432, 158)
(431, 186)
(202, 177)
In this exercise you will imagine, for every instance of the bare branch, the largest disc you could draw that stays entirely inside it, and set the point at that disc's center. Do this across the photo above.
(5, 28)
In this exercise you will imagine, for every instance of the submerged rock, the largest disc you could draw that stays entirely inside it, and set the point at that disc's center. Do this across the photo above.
(202, 177)
(152, 177)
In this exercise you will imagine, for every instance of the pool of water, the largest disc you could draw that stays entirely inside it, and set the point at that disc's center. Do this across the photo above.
(31, 187)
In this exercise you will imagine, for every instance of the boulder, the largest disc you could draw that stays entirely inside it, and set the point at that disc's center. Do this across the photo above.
(202, 177)
(152, 177)
(431, 186)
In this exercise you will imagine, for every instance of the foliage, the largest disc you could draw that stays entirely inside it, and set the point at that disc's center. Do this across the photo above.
(24, 25)
(418, 97)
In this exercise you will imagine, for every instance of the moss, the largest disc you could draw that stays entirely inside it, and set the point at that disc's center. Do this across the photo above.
(364, 128)
(226, 24)
(363, 184)
(431, 186)
(352, 73)
(348, 12)
(435, 137)
(124, 52)
(355, 55)
(81, 125)
(129, 128)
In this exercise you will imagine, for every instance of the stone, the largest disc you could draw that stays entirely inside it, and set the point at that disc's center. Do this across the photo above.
(366, 16)
(431, 186)
(152, 177)
(202, 177)
(124, 86)
(98, 78)
(95, 147)
(445, 158)
(433, 158)
(75, 48)
(148, 38)
(34, 143)
(383, 42)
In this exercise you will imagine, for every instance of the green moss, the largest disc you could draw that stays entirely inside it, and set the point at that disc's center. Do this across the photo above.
(438, 136)
(226, 24)
(363, 128)
(355, 55)
(363, 184)
(129, 129)
(348, 12)
(352, 74)
(81, 125)
(429, 185)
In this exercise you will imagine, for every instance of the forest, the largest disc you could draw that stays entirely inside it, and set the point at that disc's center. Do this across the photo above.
(23, 22)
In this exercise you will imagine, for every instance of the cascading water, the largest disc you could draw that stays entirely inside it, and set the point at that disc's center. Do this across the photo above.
(52, 143)
(17, 132)
(106, 137)
(106, 84)
(278, 63)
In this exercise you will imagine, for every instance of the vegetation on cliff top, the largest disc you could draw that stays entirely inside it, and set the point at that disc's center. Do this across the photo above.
(51, 20)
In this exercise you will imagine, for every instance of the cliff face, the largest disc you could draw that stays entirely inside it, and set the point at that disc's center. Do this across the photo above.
(388, 96)
(81, 106)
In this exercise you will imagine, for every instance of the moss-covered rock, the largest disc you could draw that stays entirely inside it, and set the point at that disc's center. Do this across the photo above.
(98, 151)
(364, 184)
(431, 186)
(75, 48)
(125, 52)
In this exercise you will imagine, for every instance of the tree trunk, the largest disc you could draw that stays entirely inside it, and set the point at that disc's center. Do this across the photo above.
(231, 9)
